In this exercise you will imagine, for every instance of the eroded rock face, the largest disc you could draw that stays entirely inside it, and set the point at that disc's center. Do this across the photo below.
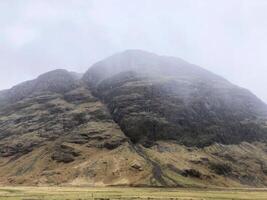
(17, 149)
(64, 153)
(56, 108)
(176, 101)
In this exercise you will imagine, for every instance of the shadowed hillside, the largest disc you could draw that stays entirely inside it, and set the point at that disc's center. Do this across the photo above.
(154, 97)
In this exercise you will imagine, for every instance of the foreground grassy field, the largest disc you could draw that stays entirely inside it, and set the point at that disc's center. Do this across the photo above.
(73, 193)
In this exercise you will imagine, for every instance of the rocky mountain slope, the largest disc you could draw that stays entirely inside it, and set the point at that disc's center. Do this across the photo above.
(136, 119)
(153, 98)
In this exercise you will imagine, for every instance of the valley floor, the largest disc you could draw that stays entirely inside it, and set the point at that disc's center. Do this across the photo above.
(115, 193)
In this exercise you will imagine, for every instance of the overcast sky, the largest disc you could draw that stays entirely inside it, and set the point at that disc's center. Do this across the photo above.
(228, 37)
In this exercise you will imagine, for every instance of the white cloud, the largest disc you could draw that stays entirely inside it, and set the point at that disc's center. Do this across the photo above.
(17, 36)
(228, 37)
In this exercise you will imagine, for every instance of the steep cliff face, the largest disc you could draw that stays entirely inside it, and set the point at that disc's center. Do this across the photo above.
(153, 97)
(134, 119)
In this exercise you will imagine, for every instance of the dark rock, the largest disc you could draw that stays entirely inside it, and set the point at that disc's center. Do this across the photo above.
(65, 154)
(191, 173)
(18, 149)
(63, 157)
(113, 144)
(221, 169)
(137, 166)
(161, 98)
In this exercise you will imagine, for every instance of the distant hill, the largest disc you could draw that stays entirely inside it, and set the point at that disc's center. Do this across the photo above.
(135, 119)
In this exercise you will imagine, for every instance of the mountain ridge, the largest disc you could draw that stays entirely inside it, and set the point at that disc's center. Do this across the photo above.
(119, 124)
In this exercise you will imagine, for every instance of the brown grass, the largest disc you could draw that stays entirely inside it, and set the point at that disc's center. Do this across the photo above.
(110, 193)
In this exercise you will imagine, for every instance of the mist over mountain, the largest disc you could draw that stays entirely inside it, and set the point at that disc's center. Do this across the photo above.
(135, 118)
(168, 98)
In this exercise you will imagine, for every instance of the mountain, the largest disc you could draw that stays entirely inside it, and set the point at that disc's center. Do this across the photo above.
(58, 81)
(154, 97)
(135, 119)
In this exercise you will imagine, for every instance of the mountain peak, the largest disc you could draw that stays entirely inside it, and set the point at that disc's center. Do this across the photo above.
(148, 64)
(59, 80)
(56, 72)
(136, 52)
(184, 100)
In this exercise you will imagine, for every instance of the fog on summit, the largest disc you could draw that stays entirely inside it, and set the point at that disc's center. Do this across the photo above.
(226, 37)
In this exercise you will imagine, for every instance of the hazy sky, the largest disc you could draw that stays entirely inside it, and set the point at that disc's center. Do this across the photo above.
(228, 37)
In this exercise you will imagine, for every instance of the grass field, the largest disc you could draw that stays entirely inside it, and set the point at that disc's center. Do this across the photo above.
(75, 193)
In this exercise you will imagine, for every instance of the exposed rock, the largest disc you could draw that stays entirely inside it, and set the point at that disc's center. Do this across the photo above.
(17, 149)
(137, 166)
(65, 154)
(114, 144)
(221, 169)
(192, 173)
